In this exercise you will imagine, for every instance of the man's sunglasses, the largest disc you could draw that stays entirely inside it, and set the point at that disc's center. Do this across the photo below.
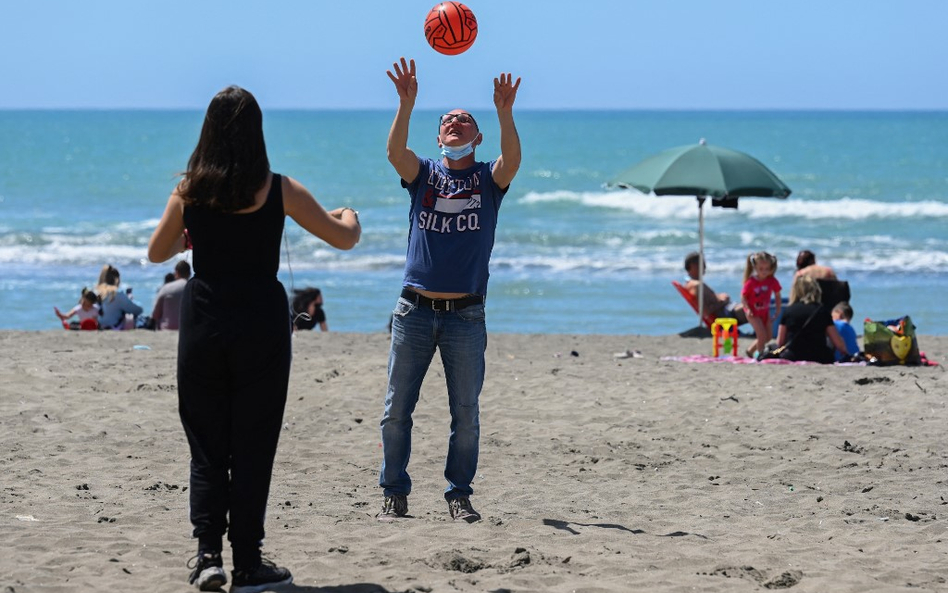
(462, 118)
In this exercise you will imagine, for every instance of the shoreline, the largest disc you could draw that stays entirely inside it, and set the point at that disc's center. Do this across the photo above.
(597, 474)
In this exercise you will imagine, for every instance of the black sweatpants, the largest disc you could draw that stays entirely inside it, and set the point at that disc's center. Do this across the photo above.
(233, 372)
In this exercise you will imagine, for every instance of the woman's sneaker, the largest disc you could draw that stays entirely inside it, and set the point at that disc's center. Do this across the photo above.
(208, 573)
(262, 578)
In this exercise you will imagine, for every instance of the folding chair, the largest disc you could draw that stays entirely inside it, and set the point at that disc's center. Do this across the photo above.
(708, 319)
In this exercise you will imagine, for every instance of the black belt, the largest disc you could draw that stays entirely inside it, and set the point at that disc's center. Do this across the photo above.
(442, 304)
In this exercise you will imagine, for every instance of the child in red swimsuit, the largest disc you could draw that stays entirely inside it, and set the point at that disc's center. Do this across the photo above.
(759, 287)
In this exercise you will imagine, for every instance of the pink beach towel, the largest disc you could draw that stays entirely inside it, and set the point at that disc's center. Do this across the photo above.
(745, 360)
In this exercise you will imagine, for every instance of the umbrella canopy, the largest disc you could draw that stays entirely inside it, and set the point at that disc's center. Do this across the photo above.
(703, 170)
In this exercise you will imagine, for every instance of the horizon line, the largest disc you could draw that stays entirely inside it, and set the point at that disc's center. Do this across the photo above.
(526, 109)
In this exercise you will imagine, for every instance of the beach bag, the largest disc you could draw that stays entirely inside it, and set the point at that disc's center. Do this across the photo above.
(891, 342)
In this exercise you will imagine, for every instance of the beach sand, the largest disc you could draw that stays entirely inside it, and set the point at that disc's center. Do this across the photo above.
(596, 474)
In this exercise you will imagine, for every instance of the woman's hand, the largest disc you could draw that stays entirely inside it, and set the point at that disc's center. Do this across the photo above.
(335, 227)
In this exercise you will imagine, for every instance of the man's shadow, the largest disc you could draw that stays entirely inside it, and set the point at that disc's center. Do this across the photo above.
(565, 526)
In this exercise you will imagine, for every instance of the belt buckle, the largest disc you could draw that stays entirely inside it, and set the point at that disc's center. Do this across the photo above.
(441, 305)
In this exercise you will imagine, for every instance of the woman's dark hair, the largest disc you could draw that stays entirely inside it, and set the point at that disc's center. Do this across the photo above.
(93, 298)
(805, 258)
(229, 164)
(302, 297)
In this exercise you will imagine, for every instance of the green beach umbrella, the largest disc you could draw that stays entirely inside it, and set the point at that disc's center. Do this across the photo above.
(703, 171)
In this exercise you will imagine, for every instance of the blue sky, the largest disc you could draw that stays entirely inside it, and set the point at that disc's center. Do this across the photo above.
(608, 54)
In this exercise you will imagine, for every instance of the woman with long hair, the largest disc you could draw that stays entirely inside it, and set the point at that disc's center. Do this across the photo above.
(116, 308)
(234, 364)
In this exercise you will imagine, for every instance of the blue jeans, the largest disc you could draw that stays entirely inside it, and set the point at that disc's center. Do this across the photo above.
(461, 336)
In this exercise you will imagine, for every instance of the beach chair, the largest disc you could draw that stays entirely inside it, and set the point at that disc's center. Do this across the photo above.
(692, 300)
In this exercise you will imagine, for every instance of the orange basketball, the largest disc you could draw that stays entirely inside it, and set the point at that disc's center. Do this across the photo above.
(450, 28)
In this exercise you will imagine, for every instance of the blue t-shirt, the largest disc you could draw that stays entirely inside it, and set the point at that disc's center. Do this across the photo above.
(848, 334)
(114, 309)
(452, 222)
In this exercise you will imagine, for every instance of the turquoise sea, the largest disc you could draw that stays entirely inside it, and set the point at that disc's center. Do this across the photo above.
(870, 196)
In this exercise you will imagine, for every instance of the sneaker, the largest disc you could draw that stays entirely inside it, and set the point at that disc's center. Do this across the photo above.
(208, 573)
(395, 506)
(461, 510)
(263, 578)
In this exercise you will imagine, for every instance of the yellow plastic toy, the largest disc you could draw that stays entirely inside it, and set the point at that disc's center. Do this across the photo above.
(724, 334)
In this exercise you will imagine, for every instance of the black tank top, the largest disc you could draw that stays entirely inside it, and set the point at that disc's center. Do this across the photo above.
(230, 246)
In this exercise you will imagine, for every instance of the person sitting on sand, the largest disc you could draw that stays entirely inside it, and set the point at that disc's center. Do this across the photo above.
(307, 310)
(807, 324)
(716, 304)
(114, 303)
(87, 309)
(167, 311)
(842, 314)
(807, 266)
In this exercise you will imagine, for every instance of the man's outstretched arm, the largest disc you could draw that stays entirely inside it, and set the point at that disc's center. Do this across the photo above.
(507, 164)
(403, 159)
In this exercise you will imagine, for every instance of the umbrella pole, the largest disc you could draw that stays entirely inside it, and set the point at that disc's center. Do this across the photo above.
(701, 260)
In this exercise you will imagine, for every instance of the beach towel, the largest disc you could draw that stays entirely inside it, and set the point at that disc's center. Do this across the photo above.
(745, 360)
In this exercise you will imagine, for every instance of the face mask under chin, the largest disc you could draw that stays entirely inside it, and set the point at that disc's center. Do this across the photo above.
(456, 153)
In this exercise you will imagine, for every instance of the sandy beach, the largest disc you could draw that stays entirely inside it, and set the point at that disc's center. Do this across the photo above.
(597, 474)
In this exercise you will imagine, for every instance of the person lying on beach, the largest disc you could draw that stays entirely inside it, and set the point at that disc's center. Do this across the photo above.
(455, 202)
(87, 309)
(716, 304)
